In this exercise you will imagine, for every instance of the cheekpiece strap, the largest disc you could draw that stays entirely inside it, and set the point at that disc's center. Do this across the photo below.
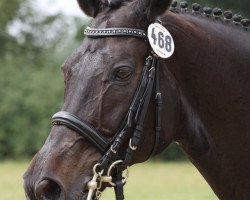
(105, 32)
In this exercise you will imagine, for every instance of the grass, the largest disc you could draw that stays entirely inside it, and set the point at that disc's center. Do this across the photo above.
(11, 180)
(148, 181)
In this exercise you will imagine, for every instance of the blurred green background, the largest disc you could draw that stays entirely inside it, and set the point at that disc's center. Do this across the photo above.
(33, 45)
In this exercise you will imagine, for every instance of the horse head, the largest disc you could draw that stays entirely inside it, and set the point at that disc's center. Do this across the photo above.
(101, 81)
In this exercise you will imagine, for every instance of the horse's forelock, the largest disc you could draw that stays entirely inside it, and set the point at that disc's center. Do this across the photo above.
(150, 9)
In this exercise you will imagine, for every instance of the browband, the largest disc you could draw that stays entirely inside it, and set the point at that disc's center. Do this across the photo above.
(92, 32)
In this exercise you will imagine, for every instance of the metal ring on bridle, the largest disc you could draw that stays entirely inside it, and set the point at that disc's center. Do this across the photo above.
(114, 151)
(95, 172)
(130, 145)
(157, 94)
(112, 166)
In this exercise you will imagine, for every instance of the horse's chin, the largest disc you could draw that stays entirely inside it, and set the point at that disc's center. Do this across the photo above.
(77, 196)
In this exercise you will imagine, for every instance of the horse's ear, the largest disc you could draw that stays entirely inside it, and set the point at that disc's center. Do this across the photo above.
(89, 7)
(155, 8)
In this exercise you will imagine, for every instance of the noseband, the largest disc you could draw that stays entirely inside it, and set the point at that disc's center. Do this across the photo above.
(113, 159)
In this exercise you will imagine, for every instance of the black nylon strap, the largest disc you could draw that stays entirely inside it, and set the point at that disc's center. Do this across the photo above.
(73, 122)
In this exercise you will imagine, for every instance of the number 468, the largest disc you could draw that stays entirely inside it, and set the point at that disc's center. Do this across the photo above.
(162, 42)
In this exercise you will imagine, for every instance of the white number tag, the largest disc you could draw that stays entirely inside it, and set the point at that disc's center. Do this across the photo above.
(160, 40)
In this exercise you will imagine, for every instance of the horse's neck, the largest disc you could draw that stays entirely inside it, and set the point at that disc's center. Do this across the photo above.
(211, 68)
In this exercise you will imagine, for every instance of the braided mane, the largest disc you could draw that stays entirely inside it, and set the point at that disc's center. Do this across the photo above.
(211, 13)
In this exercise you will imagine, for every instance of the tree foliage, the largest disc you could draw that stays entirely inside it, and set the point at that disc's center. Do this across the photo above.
(31, 83)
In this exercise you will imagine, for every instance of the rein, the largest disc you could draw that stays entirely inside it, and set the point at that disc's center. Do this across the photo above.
(113, 161)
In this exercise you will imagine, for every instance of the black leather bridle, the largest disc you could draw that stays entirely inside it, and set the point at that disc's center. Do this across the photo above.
(133, 121)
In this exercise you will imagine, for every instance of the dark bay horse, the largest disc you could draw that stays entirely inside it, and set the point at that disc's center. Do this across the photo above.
(205, 88)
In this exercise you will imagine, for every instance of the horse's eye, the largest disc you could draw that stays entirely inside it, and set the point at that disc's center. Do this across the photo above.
(123, 73)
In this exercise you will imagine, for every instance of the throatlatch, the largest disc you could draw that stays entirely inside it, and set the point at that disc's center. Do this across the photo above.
(110, 167)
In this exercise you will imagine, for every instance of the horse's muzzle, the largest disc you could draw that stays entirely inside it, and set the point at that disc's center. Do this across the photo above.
(48, 189)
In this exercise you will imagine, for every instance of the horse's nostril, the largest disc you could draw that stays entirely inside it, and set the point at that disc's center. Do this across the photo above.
(47, 189)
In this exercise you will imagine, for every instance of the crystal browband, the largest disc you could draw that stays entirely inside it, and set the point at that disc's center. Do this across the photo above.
(105, 32)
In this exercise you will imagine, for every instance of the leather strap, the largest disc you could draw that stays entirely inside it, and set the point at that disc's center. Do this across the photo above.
(107, 32)
(139, 93)
(119, 192)
(131, 120)
(141, 114)
(158, 110)
(74, 123)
